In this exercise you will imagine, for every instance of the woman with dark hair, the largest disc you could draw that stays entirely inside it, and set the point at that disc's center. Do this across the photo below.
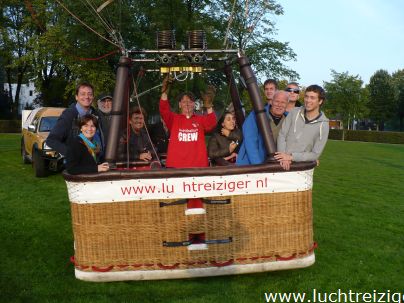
(223, 145)
(83, 151)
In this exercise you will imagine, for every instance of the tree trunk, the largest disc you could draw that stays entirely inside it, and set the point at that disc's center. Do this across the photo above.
(20, 77)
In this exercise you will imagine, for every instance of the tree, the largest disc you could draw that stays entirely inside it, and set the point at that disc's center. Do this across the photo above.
(381, 98)
(345, 97)
(252, 29)
(59, 50)
(14, 36)
(398, 82)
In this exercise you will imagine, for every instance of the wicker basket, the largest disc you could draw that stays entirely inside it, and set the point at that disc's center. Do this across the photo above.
(237, 227)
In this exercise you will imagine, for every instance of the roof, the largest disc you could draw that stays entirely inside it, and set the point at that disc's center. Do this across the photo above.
(51, 111)
(43, 111)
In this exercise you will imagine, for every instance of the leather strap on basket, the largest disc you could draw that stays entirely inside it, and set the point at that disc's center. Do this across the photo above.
(204, 200)
(178, 202)
(189, 242)
(214, 201)
(219, 241)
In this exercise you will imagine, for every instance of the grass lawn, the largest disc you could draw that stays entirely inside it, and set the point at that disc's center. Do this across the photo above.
(358, 224)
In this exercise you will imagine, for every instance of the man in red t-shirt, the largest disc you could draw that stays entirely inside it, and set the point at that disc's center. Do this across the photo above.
(187, 146)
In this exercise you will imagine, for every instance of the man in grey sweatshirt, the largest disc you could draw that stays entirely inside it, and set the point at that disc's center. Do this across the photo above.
(305, 130)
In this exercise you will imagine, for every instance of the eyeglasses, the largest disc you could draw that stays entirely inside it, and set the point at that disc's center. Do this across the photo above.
(293, 90)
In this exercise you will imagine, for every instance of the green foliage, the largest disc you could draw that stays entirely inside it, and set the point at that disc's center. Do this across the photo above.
(58, 46)
(15, 33)
(252, 28)
(10, 126)
(345, 97)
(398, 83)
(381, 97)
(357, 223)
(367, 136)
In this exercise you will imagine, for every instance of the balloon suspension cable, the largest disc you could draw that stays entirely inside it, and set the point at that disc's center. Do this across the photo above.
(115, 35)
(225, 44)
(127, 130)
(85, 25)
(136, 96)
(102, 6)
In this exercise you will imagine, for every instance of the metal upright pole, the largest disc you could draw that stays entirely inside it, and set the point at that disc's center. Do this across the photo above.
(235, 97)
(255, 96)
(118, 108)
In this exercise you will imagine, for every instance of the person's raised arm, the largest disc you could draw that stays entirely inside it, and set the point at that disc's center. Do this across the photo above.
(165, 87)
(164, 105)
(207, 97)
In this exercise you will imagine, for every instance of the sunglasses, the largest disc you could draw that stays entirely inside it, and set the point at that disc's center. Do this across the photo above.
(293, 90)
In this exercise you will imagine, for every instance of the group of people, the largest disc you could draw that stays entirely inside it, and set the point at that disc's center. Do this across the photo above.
(300, 132)
(78, 134)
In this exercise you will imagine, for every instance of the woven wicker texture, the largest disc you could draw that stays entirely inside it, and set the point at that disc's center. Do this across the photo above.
(130, 235)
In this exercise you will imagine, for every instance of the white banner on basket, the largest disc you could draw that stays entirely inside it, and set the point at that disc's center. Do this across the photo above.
(188, 187)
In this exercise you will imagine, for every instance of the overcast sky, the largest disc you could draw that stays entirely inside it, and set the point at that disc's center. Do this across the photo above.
(357, 36)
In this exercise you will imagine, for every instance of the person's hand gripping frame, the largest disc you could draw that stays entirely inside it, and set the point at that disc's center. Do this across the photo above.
(166, 85)
(208, 96)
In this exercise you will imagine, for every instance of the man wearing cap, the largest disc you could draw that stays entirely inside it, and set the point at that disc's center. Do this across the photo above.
(104, 104)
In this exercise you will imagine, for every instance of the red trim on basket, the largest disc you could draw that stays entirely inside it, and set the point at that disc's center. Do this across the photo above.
(217, 264)
(123, 266)
(315, 245)
(73, 260)
(279, 258)
(168, 266)
(176, 265)
(99, 269)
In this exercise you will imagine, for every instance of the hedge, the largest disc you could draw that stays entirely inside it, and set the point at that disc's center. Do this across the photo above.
(367, 136)
(10, 126)
(14, 126)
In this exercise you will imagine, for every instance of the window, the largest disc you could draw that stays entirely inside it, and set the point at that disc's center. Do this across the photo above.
(47, 123)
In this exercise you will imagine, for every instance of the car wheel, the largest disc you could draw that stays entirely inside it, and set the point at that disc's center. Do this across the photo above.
(24, 155)
(38, 164)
